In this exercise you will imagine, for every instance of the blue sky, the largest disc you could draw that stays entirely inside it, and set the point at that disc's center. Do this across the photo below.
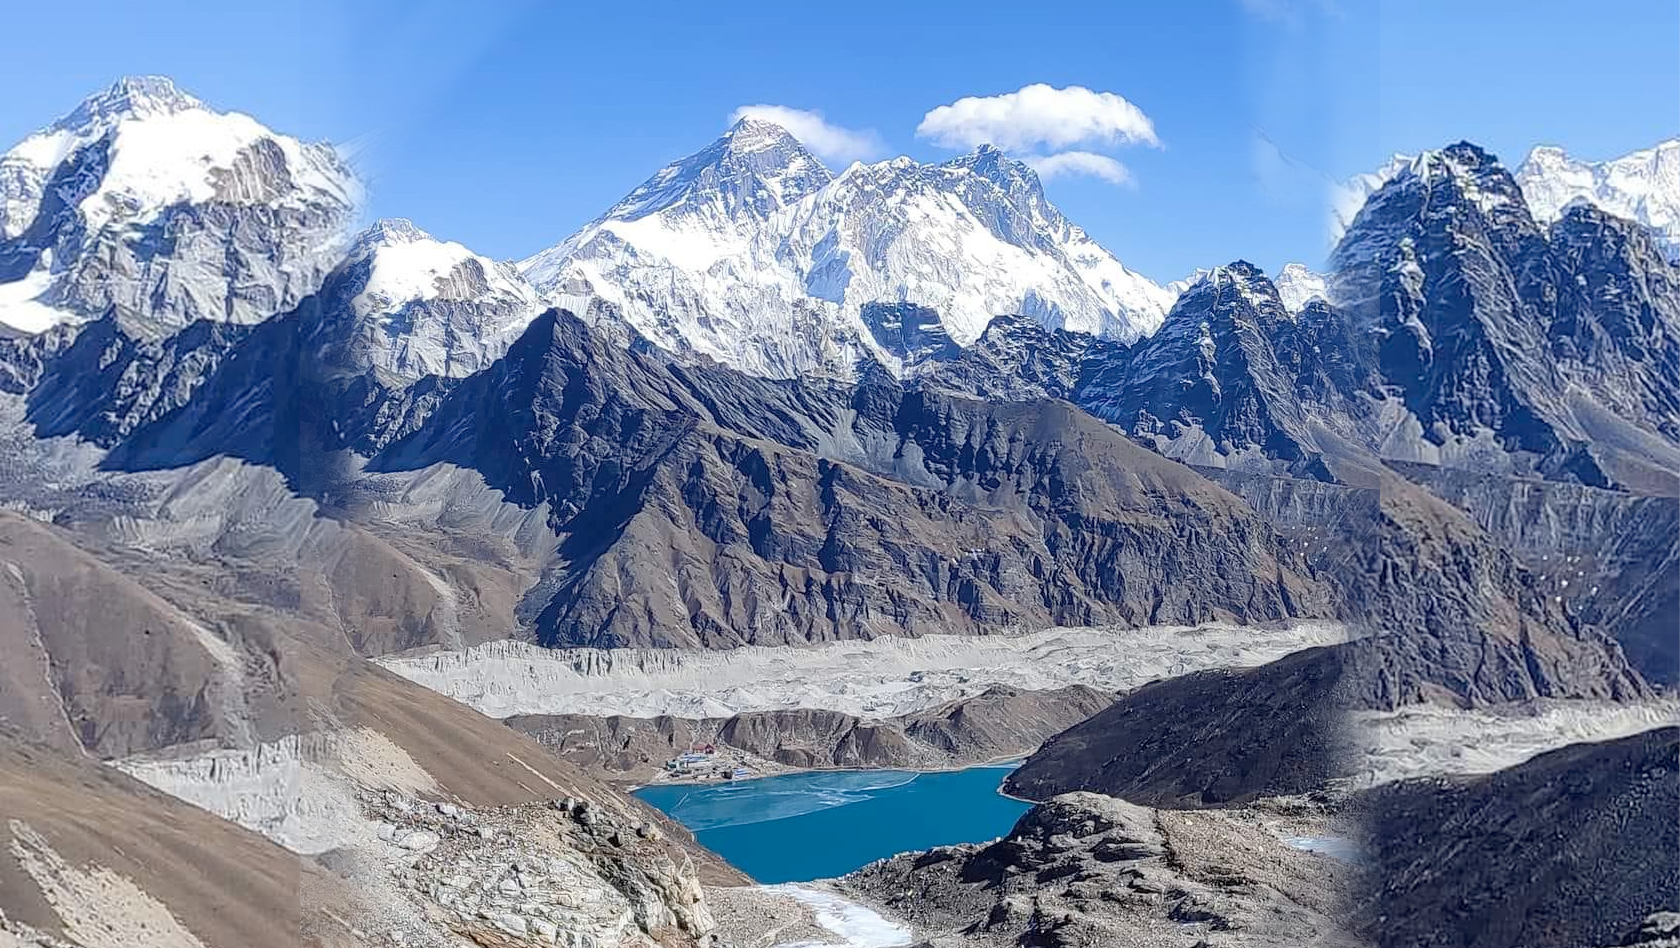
(506, 124)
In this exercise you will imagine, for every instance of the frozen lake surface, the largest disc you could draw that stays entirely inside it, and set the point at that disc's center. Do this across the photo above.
(799, 827)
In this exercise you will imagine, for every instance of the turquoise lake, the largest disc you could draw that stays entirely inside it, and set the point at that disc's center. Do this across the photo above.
(799, 827)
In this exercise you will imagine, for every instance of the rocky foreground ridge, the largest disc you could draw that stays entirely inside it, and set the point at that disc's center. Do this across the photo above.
(1087, 869)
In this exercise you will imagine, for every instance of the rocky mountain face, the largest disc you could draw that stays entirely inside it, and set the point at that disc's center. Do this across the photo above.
(785, 411)
(1640, 186)
(1554, 362)
(744, 510)
(1461, 334)
(999, 722)
(1611, 555)
(255, 710)
(1444, 614)
(1234, 379)
(1477, 316)
(752, 253)
(1454, 617)
(1087, 869)
(1482, 861)
(186, 612)
(148, 205)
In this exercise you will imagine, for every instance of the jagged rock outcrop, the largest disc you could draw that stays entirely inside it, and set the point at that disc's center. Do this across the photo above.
(1494, 331)
(1452, 330)
(1016, 359)
(1612, 557)
(1234, 379)
(537, 874)
(1574, 847)
(1085, 869)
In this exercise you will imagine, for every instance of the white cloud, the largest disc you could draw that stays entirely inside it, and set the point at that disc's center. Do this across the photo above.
(1039, 115)
(828, 141)
(1070, 163)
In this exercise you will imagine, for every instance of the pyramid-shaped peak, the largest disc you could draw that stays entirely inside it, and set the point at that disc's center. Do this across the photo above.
(1239, 271)
(991, 163)
(755, 134)
(391, 230)
(131, 96)
(1461, 159)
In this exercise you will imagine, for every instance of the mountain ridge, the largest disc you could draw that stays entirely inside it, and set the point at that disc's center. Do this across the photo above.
(766, 243)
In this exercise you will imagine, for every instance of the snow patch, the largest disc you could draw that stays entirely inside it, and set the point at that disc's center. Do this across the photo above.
(856, 926)
(20, 304)
(407, 271)
(1297, 286)
(1643, 186)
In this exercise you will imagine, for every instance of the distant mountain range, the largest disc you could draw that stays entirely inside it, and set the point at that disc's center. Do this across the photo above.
(753, 253)
(1642, 186)
(246, 451)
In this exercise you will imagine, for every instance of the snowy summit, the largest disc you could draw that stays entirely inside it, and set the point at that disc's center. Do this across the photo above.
(753, 253)
(82, 201)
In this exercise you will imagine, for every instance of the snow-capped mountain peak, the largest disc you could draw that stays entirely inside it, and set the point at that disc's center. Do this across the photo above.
(751, 252)
(1297, 286)
(407, 265)
(1643, 186)
(82, 203)
(409, 305)
(161, 146)
(1460, 175)
(756, 168)
(129, 97)
(695, 210)
(1016, 177)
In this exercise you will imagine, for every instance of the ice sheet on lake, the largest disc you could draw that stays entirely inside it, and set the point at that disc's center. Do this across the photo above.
(780, 798)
